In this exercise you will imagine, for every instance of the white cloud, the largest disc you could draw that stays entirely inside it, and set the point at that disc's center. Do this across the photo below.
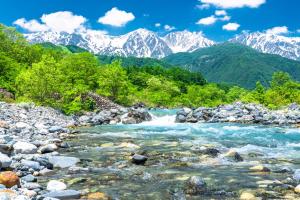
(157, 25)
(116, 17)
(63, 21)
(169, 28)
(226, 4)
(298, 31)
(203, 6)
(207, 20)
(231, 27)
(225, 18)
(220, 13)
(278, 30)
(31, 26)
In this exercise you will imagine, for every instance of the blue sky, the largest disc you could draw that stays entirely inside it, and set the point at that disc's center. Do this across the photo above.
(121, 16)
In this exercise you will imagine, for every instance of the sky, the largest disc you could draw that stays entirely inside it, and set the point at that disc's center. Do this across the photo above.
(218, 20)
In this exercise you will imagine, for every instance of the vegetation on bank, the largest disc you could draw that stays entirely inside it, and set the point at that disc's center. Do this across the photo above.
(61, 78)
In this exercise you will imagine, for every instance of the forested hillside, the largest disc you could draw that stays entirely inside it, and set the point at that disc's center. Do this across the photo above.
(61, 78)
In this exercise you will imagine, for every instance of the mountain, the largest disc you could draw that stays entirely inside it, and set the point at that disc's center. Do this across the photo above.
(288, 47)
(234, 63)
(185, 41)
(138, 43)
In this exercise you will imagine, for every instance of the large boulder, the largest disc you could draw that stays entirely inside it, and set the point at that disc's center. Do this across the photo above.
(24, 148)
(9, 179)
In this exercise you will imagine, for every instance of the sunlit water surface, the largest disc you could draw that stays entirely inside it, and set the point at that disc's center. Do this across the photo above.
(107, 150)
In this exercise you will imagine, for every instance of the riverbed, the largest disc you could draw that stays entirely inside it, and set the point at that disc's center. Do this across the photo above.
(175, 153)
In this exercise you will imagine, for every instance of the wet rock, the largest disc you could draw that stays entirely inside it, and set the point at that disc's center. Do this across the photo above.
(63, 161)
(195, 185)
(46, 172)
(180, 119)
(24, 148)
(296, 175)
(77, 180)
(5, 161)
(55, 185)
(54, 129)
(49, 148)
(259, 168)
(234, 155)
(9, 179)
(213, 152)
(139, 159)
(64, 194)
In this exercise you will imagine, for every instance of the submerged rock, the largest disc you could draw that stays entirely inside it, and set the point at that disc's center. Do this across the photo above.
(63, 161)
(234, 155)
(195, 185)
(259, 168)
(64, 194)
(247, 196)
(139, 159)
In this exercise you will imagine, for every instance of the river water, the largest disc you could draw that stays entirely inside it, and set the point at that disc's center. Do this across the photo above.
(173, 158)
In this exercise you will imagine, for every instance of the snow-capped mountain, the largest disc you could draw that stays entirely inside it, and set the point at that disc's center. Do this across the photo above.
(288, 47)
(138, 43)
(185, 41)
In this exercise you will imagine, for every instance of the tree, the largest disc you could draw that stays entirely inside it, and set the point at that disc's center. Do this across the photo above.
(113, 82)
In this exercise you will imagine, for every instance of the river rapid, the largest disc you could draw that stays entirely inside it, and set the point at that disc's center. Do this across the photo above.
(176, 151)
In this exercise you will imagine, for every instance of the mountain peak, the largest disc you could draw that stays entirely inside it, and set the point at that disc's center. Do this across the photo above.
(288, 47)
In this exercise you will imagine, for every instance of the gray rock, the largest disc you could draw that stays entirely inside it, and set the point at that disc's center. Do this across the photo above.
(63, 161)
(24, 148)
(65, 194)
(296, 175)
(6, 149)
(54, 129)
(49, 148)
(31, 164)
(31, 186)
(5, 161)
(29, 178)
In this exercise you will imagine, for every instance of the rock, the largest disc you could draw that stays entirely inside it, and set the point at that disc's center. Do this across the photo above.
(233, 155)
(260, 168)
(46, 172)
(77, 180)
(22, 125)
(31, 186)
(54, 129)
(9, 179)
(64, 194)
(296, 175)
(5, 161)
(7, 194)
(97, 196)
(129, 120)
(22, 197)
(180, 119)
(24, 148)
(54, 185)
(195, 185)
(139, 159)
(209, 151)
(29, 178)
(297, 189)
(4, 124)
(63, 161)
(31, 164)
(6, 149)
(49, 148)
(247, 196)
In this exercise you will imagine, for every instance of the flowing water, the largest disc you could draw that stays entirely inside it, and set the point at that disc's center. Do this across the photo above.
(173, 158)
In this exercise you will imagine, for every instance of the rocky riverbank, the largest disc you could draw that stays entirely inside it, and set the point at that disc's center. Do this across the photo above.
(30, 140)
(241, 113)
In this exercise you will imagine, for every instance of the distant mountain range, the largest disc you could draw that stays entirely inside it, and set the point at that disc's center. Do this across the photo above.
(139, 43)
(144, 43)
